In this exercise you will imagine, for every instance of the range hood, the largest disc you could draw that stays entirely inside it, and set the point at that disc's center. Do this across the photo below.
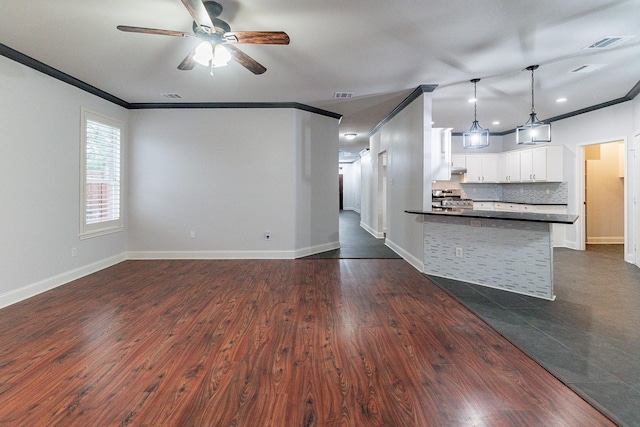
(457, 170)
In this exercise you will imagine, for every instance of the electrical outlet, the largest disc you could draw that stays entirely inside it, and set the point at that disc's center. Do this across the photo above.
(192, 234)
(267, 235)
(74, 252)
(459, 253)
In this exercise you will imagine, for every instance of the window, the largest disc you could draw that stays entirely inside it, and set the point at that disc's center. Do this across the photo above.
(101, 203)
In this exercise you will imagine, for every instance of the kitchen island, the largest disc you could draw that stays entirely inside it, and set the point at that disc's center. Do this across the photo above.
(512, 251)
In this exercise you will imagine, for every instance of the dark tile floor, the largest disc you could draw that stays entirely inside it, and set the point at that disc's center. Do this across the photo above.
(589, 337)
(356, 242)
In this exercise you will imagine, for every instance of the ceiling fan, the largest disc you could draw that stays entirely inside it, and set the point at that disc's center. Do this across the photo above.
(218, 41)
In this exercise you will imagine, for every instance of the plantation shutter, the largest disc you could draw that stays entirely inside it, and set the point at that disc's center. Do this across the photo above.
(102, 173)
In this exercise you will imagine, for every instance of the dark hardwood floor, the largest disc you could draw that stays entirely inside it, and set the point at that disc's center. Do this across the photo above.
(310, 342)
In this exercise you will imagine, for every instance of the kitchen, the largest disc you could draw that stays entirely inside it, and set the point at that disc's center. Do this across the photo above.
(484, 208)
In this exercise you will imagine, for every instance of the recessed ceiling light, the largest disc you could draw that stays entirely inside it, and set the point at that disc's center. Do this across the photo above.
(350, 135)
(561, 100)
(495, 122)
(473, 100)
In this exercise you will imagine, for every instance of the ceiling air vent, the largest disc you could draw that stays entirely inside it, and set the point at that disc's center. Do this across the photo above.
(171, 95)
(587, 68)
(608, 42)
(342, 95)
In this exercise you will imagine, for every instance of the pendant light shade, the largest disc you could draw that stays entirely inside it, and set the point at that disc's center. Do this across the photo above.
(476, 136)
(533, 131)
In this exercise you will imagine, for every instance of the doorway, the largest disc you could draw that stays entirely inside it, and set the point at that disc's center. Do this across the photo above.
(603, 227)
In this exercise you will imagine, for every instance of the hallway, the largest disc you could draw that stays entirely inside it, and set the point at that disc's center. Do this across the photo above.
(356, 242)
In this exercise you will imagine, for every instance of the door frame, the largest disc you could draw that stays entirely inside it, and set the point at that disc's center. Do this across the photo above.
(635, 166)
(581, 224)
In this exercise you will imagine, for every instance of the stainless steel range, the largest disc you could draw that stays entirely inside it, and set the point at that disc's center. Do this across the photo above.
(449, 199)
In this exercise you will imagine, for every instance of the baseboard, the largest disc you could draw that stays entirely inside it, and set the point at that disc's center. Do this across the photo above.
(415, 262)
(570, 245)
(607, 240)
(312, 250)
(34, 289)
(298, 253)
(139, 255)
(371, 231)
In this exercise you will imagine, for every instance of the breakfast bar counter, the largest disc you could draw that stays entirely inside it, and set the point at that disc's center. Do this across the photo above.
(512, 251)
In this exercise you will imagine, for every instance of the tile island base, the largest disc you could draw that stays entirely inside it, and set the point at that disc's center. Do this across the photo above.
(504, 253)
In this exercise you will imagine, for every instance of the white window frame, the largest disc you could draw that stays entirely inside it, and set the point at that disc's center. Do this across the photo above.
(107, 226)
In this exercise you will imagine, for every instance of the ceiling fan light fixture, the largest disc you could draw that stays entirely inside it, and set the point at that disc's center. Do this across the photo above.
(221, 56)
(204, 53)
(476, 136)
(533, 131)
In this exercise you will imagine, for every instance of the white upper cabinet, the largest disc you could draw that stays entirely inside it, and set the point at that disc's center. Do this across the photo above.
(440, 154)
(541, 164)
(458, 161)
(529, 165)
(482, 168)
(509, 163)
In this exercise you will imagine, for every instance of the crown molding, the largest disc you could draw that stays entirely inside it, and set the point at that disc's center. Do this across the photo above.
(425, 88)
(23, 59)
(43, 68)
(225, 105)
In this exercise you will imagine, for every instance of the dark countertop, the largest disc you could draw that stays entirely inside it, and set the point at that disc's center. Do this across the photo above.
(520, 203)
(512, 216)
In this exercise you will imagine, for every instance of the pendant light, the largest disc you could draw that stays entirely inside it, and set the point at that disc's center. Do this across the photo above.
(534, 131)
(475, 137)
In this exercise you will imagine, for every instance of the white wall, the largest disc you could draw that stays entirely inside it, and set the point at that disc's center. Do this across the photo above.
(369, 187)
(39, 184)
(404, 138)
(316, 197)
(230, 175)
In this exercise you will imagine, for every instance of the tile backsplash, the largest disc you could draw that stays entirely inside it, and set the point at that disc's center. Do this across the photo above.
(534, 192)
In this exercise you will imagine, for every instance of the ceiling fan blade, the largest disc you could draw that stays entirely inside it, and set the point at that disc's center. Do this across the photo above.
(257, 37)
(188, 62)
(245, 60)
(128, 29)
(198, 12)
